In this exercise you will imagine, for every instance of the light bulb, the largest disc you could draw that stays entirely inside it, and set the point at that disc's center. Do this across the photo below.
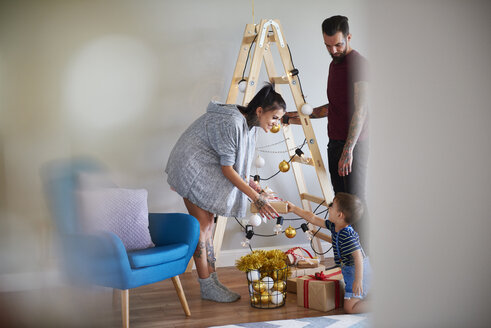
(278, 227)
(308, 233)
(242, 85)
(245, 242)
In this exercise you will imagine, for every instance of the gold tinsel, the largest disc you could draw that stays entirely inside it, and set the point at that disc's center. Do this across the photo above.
(264, 261)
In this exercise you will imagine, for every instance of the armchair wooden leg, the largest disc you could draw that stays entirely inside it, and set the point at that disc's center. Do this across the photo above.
(125, 307)
(182, 296)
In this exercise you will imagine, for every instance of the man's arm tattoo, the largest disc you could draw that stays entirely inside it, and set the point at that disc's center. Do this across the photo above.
(359, 115)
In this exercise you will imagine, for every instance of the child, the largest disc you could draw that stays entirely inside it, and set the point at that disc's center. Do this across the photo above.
(348, 253)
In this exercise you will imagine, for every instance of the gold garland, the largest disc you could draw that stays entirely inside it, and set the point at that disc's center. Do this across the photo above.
(264, 261)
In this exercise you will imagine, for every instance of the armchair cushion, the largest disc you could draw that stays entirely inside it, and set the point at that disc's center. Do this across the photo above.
(157, 255)
(121, 211)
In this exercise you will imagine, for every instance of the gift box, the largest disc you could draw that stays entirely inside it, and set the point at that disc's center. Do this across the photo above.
(280, 207)
(291, 283)
(323, 291)
(301, 258)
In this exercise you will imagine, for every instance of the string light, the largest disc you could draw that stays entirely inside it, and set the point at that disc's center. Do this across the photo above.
(247, 239)
(278, 227)
(308, 233)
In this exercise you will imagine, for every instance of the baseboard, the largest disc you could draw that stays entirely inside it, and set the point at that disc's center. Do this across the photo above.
(227, 258)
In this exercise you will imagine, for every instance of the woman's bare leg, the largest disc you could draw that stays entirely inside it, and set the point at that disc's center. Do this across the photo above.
(200, 256)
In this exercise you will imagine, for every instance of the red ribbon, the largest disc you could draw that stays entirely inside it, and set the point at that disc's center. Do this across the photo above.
(323, 277)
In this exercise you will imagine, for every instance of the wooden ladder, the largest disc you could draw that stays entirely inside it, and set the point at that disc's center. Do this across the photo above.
(264, 35)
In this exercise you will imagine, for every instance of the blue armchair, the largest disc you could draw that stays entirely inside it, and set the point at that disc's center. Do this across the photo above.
(101, 259)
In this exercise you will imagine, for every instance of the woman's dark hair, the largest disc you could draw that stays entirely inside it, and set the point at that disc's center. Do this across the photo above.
(267, 98)
(335, 24)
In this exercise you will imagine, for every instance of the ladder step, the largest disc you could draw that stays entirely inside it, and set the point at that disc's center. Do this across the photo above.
(307, 161)
(279, 80)
(311, 198)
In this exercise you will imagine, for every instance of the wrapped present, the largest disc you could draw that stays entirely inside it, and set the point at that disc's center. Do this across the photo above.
(301, 258)
(291, 283)
(280, 206)
(323, 291)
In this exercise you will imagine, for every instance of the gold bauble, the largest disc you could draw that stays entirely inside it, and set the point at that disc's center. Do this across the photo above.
(278, 275)
(265, 298)
(275, 128)
(279, 286)
(255, 299)
(290, 232)
(259, 286)
(284, 166)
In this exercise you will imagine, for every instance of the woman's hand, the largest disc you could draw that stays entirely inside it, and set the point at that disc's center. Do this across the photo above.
(265, 208)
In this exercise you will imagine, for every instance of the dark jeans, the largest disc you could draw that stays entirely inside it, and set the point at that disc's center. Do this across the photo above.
(353, 183)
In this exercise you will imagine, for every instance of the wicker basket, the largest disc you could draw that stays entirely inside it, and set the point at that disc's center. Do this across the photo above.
(267, 290)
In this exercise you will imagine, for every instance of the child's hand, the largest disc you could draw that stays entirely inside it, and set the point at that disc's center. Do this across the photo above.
(290, 206)
(357, 288)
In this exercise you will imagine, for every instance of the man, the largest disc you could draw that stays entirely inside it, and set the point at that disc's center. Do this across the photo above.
(347, 110)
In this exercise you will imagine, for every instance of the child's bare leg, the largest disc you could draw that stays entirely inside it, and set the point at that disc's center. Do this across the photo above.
(355, 305)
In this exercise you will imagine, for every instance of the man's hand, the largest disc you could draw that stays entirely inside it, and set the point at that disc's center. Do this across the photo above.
(345, 162)
(290, 118)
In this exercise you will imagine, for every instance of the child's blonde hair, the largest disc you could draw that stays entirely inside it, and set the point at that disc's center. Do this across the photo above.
(350, 205)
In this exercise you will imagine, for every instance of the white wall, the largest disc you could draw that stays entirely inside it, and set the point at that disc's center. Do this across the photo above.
(122, 80)
(158, 64)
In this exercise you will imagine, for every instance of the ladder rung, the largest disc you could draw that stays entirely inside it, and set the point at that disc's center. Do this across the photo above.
(307, 161)
(279, 80)
(312, 198)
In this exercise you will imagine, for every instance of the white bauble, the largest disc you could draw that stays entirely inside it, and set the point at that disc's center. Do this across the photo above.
(242, 86)
(269, 282)
(253, 275)
(259, 162)
(254, 220)
(276, 297)
(251, 289)
(307, 109)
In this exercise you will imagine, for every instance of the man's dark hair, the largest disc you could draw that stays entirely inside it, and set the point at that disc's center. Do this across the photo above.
(335, 24)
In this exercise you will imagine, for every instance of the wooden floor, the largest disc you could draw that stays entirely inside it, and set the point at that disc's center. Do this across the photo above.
(155, 305)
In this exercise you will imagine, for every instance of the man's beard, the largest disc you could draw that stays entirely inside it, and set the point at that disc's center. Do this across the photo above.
(339, 58)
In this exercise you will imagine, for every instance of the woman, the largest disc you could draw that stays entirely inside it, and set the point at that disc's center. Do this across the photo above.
(207, 167)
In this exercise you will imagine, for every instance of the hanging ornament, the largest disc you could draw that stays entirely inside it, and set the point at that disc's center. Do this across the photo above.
(242, 85)
(275, 128)
(284, 166)
(254, 220)
(306, 109)
(259, 162)
(290, 232)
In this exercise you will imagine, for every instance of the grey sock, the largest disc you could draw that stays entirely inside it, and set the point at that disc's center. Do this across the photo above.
(211, 291)
(214, 276)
